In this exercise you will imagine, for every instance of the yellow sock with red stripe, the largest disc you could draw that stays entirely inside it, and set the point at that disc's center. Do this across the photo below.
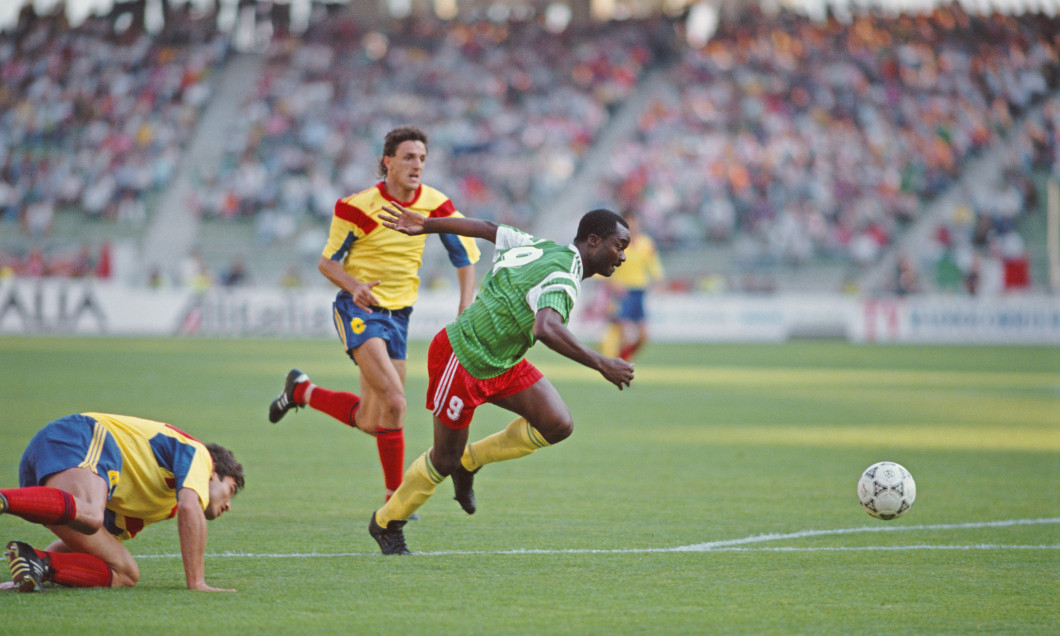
(416, 488)
(519, 439)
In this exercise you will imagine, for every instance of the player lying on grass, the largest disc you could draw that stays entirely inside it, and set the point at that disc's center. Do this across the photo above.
(526, 297)
(96, 480)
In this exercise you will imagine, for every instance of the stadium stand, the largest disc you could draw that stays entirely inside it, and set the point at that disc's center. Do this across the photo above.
(92, 127)
(792, 141)
(785, 153)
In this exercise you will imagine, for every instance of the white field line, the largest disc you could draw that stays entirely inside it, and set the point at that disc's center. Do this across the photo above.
(729, 545)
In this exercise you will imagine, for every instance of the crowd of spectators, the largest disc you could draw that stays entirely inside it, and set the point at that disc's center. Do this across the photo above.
(978, 248)
(510, 110)
(787, 139)
(93, 120)
(795, 140)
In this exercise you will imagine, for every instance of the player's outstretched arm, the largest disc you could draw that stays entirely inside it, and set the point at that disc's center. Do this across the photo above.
(191, 525)
(408, 222)
(549, 329)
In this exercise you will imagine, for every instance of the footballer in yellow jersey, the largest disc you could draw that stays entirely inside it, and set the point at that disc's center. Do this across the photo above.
(628, 328)
(369, 252)
(93, 471)
(157, 461)
(377, 273)
(642, 266)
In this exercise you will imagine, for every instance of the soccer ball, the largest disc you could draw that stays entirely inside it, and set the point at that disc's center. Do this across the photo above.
(886, 490)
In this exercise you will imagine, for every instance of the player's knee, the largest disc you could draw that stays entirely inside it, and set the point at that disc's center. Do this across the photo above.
(88, 520)
(395, 408)
(445, 464)
(558, 429)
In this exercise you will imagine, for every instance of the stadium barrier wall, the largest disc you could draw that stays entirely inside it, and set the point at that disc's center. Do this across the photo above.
(56, 306)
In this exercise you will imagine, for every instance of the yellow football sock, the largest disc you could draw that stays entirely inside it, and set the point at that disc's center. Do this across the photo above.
(416, 488)
(612, 341)
(517, 440)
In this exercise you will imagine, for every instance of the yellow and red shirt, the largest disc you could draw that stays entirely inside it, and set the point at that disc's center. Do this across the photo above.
(642, 266)
(369, 251)
(157, 461)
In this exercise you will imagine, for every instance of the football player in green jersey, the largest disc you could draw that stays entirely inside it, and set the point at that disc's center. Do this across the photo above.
(526, 297)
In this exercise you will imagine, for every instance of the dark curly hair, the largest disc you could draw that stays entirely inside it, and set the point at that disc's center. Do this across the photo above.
(225, 464)
(395, 138)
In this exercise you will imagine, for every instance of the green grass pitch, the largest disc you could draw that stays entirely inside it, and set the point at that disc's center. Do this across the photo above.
(747, 456)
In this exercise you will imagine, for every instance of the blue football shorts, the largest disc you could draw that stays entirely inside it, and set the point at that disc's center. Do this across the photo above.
(632, 306)
(71, 442)
(355, 326)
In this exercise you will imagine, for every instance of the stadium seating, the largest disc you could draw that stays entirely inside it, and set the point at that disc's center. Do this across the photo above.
(92, 126)
(783, 142)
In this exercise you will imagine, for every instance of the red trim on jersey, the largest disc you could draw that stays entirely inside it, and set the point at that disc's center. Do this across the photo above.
(389, 197)
(180, 432)
(355, 215)
(133, 525)
(444, 210)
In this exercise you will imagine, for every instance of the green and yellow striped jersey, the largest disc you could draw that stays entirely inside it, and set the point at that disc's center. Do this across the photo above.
(528, 274)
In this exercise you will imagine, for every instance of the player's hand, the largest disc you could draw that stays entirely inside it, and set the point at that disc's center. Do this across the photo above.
(405, 221)
(617, 371)
(363, 296)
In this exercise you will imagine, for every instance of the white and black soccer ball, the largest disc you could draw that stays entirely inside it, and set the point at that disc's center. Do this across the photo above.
(886, 490)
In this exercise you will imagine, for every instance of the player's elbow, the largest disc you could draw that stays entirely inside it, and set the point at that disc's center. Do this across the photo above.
(323, 264)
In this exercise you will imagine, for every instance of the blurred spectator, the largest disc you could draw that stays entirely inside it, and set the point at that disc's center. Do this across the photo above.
(195, 273)
(292, 278)
(236, 274)
(906, 277)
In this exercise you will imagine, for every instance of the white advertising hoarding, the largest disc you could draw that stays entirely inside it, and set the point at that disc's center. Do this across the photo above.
(55, 306)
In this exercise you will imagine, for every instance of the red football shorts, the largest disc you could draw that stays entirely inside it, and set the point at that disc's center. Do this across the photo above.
(453, 393)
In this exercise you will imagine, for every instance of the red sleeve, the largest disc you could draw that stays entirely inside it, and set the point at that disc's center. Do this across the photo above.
(444, 210)
(358, 217)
